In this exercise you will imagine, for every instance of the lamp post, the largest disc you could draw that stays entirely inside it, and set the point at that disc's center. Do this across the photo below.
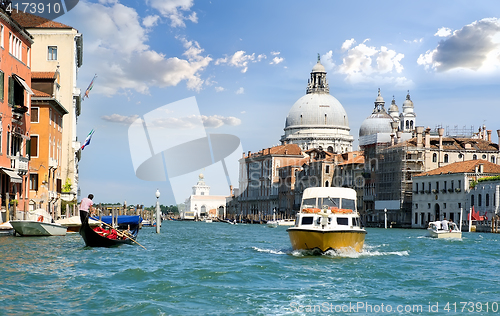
(158, 217)
(385, 216)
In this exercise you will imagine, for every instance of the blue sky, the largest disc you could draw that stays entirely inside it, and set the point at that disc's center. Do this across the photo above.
(247, 62)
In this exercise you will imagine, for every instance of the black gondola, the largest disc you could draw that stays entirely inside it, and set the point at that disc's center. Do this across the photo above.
(93, 239)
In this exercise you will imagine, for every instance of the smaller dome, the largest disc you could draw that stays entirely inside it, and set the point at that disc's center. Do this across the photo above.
(376, 123)
(394, 107)
(379, 98)
(408, 102)
(318, 67)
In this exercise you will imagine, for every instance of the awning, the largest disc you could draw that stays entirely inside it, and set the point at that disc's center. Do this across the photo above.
(23, 83)
(14, 177)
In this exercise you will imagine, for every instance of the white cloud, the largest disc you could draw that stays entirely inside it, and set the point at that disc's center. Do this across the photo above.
(363, 63)
(150, 20)
(327, 60)
(261, 56)
(474, 47)
(241, 90)
(275, 53)
(347, 44)
(443, 32)
(174, 10)
(219, 89)
(122, 58)
(117, 118)
(239, 59)
(276, 60)
(417, 40)
(216, 121)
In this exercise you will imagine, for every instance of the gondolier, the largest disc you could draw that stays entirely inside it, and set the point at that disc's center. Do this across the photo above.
(85, 207)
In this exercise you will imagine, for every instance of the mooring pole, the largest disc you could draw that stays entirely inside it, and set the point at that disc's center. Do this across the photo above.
(158, 217)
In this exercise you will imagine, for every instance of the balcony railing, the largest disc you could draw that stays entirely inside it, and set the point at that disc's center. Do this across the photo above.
(19, 164)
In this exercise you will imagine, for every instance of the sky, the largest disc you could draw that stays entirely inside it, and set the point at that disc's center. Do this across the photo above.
(247, 62)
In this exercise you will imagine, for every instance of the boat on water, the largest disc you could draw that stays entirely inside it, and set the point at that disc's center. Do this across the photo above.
(274, 222)
(436, 230)
(74, 223)
(327, 220)
(6, 229)
(208, 220)
(126, 225)
(38, 223)
(286, 222)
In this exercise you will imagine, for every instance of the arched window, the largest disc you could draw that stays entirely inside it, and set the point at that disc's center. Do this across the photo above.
(411, 124)
(330, 149)
(487, 199)
(434, 157)
(472, 200)
(407, 124)
(326, 184)
(479, 200)
(446, 158)
(325, 119)
(493, 159)
(474, 157)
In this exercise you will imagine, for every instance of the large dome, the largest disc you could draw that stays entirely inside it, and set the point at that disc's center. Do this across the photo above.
(317, 109)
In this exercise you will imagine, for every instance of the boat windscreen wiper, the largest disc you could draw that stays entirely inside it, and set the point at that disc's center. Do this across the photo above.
(333, 201)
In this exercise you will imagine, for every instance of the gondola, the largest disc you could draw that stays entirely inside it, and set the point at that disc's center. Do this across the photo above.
(93, 239)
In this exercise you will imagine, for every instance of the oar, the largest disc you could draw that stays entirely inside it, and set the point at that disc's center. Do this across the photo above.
(118, 232)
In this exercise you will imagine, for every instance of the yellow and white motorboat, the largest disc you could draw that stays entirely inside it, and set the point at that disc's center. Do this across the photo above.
(327, 220)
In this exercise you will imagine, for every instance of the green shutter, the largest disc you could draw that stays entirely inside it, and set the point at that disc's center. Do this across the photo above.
(1, 85)
(11, 91)
(28, 148)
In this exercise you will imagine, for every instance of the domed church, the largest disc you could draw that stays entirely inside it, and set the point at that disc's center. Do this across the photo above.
(318, 119)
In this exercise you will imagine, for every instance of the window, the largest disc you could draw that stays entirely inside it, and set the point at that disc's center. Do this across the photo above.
(484, 156)
(459, 184)
(34, 146)
(28, 57)
(416, 187)
(1, 85)
(493, 159)
(479, 200)
(444, 205)
(446, 158)
(472, 200)
(343, 221)
(52, 53)
(474, 157)
(452, 185)
(34, 181)
(434, 158)
(459, 205)
(34, 115)
(487, 199)
(437, 185)
(307, 220)
(50, 116)
(1, 35)
(327, 169)
(416, 206)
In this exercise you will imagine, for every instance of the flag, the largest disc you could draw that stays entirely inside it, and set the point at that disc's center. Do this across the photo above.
(87, 140)
(91, 85)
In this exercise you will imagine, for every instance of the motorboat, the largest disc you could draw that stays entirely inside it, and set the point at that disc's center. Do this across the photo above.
(6, 229)
(208, 220)
(274, 222)
(38, 223)
(286, 222)
(436, 230)
(74, 223)
(327, 220)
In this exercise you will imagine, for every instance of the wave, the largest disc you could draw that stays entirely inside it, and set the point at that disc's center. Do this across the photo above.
(272, 251)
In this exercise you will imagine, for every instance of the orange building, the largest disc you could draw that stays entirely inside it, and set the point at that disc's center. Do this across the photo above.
(46, 143)
(15, 82)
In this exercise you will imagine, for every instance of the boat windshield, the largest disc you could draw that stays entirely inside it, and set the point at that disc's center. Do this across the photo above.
(329, 202)
(348, 204)
(309, 203)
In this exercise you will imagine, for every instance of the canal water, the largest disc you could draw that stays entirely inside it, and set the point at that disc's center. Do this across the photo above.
(197, 268)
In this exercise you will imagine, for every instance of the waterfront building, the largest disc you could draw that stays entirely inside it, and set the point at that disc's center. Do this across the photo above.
(201, 204)
(260, 176)
(318, 119)
(46, 143)
(15, 112)
(396, 165)
(60, 47)
(442, 192)
(485, 197)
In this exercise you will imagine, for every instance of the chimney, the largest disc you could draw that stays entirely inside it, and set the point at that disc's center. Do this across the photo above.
(441, 133)
(392, 139)
(231, 190)
(484, 132)
(420, 130)
(394, 126)
(398, 135)
(481, 168)
(428, 137)
(489, 135)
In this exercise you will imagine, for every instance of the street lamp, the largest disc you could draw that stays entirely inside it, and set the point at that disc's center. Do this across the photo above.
(158, 217)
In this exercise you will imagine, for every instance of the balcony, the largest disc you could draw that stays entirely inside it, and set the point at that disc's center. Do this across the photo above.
(19, 164)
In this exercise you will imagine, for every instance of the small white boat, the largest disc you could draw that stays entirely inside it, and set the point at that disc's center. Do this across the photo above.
(451, 231)
(6, 229)
(208, 220)
(74, 223)
(274, 222)
(38, 223)
(286, 222)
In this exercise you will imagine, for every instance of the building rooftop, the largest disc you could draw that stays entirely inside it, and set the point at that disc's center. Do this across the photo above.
(27, 20)
(43, 74)
(454, 143)
(464, 167)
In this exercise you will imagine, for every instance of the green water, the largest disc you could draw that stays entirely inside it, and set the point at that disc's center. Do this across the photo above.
(197, 268)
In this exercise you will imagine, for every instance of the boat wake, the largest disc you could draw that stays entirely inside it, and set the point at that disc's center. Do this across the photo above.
(271, 251)
(350, 253)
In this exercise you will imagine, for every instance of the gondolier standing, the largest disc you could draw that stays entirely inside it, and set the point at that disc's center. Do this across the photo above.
(85, 207)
